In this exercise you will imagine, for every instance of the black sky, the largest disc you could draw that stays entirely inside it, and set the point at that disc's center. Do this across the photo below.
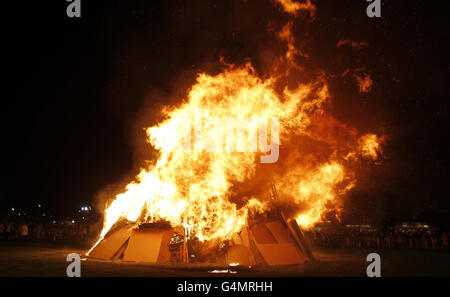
(75, 87)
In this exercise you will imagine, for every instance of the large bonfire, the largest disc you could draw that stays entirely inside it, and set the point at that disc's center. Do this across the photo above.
(194, 186)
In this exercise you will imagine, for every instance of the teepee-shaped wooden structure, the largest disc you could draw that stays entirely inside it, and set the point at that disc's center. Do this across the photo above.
(268, 240)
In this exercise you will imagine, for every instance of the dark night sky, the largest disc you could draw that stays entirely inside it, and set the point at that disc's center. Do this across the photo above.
(75, 86)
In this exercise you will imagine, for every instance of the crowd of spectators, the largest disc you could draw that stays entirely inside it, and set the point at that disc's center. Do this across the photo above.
(420, 239)
(51, 231)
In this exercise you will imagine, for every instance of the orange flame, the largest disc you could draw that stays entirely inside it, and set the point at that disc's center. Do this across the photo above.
(370, 146)
(293, 7)
(315, 189)
(364, 83)
(192, 186)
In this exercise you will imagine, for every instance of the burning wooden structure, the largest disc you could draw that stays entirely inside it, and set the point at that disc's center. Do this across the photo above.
(229, 129)
(268, 239)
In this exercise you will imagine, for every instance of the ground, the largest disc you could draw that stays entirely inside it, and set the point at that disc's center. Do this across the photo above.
(42, 259)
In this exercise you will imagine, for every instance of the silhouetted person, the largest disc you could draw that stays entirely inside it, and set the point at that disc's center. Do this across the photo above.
(444, 240)
(23, 231)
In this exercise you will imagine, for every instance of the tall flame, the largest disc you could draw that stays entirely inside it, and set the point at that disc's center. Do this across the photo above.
(193, 187)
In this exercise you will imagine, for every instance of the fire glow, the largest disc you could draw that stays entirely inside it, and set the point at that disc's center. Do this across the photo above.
(195, 188)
